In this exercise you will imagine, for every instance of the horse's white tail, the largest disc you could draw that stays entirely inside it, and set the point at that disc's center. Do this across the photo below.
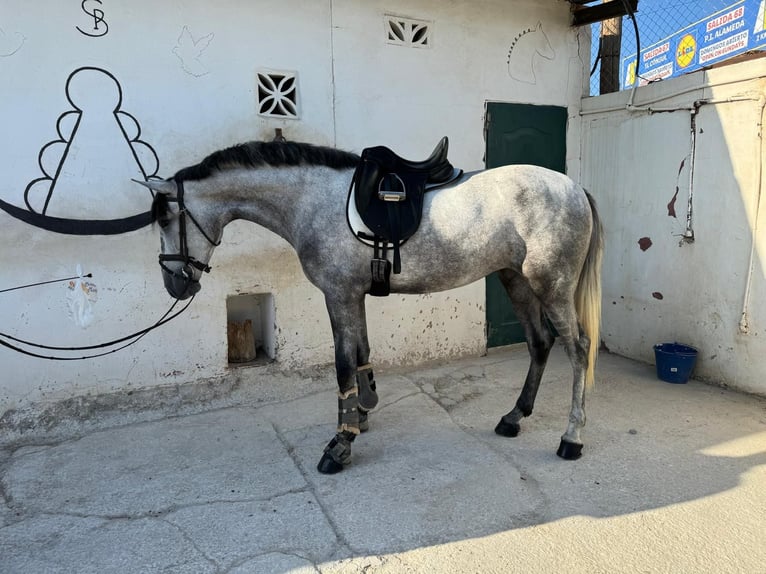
(588, 292)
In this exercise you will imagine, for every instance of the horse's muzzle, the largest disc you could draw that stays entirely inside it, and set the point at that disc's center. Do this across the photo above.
(180, 287)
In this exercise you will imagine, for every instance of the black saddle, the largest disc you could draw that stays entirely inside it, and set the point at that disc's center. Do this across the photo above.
(388, 191)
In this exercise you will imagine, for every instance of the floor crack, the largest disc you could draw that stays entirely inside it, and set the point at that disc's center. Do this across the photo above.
(7, 499)
(494, 447)
(400, 399)
(5, 496)
(191, 541)
(164, 512)
(342, 542)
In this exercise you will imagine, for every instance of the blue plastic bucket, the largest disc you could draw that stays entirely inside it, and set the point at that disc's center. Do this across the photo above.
(675, 362)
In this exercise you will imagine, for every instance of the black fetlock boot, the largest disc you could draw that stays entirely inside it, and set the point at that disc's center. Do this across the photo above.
(368, 398)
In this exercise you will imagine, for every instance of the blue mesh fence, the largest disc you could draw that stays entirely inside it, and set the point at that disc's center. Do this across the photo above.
(679, 36)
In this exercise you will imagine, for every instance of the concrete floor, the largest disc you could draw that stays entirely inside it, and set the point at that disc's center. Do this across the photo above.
(673, 479)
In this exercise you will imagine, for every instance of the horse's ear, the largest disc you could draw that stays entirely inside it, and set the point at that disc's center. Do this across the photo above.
(539, 25)
(163, 186)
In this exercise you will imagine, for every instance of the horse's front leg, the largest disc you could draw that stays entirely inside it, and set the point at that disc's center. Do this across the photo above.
(356, 389)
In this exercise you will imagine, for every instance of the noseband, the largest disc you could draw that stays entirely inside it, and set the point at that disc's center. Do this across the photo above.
(187, 273)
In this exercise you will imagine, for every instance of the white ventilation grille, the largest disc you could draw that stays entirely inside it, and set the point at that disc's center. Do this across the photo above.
(408, 31)
(278, 94)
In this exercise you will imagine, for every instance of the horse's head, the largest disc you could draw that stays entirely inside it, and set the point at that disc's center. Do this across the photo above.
(188, 236)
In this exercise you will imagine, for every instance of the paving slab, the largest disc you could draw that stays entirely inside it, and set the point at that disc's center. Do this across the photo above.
(67, 543)
(416, 478)
(673, 479)
(234, 533)
(156, 467)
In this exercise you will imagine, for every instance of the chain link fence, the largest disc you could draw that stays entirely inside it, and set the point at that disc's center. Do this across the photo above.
(676, 37)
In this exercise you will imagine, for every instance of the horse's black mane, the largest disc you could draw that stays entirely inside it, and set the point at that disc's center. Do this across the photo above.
(253, 154)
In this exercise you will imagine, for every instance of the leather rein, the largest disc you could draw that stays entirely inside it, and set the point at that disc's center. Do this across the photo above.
(133, 338)
(186, 274)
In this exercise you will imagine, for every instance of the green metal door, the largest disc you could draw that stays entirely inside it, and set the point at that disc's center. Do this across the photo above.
(519, 133)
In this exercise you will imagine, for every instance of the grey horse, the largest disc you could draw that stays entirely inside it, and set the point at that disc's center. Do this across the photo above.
(536, 227)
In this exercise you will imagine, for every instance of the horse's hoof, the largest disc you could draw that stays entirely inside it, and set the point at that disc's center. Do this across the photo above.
(328, 465)
(337, 453)
(507, 429)
(569, 450)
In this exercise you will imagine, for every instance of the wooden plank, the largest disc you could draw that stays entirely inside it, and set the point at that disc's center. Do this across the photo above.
(611, 42)
(241, 341)
(601, 12)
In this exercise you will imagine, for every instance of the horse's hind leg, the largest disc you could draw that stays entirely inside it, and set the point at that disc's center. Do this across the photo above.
(539, 343)
(577, 346)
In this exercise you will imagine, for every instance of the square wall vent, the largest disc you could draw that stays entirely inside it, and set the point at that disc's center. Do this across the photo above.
(278, 94)
(408, 31)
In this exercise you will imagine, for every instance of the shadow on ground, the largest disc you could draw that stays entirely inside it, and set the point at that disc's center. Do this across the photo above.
(431, 487)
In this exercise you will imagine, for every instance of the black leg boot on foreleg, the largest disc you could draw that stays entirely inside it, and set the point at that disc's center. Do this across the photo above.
(337, 453)
(368, 397)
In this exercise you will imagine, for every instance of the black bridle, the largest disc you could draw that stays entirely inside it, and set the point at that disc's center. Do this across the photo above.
(189, 262)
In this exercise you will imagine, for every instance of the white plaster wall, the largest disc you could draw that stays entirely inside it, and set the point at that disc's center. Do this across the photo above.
(408, 98)
(355, 90)
(631, 162)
